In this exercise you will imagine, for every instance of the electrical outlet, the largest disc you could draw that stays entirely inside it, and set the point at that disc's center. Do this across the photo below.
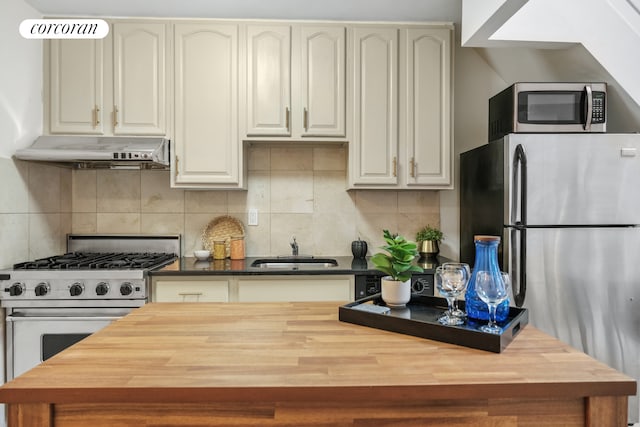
(253, 217)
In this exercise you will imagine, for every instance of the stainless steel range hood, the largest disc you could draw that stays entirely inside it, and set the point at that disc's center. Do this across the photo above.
(99, 152)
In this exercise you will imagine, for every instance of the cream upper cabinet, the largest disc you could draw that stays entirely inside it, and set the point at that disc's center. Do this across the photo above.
(206, 148)
(402, 123)
(426, 107)
(323, 74)
(76, 70)
(268, 80)
(139, 82)
(373, 152)
(296, 84)
(113, 86)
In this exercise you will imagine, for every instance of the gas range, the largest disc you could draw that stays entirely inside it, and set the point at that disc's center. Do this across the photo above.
(54, 302)
(92, 273)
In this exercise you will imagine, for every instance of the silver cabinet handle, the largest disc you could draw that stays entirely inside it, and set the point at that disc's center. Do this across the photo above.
(286, 112)
(306, 119)
(184, 295)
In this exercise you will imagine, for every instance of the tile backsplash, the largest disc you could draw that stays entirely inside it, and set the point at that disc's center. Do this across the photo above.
(35, 210)
(296, 190)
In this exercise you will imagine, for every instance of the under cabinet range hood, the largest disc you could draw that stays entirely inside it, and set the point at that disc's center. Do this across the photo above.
(99, 152)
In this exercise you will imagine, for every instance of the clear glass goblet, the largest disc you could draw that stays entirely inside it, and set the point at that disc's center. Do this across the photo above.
(492, 289)
(451, 280)
(456, 311)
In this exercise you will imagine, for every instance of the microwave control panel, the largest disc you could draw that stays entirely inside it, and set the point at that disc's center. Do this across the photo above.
(598, 108)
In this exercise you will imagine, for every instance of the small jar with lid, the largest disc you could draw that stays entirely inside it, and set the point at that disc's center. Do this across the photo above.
(237, 247)
(219, 249)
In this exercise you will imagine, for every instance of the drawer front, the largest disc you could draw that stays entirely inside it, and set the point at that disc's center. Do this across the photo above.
(184, 291)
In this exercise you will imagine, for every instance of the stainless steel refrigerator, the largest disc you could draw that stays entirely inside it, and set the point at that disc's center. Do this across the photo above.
(568, 209)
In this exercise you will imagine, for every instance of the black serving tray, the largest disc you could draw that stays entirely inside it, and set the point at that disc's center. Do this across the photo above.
(420, 319)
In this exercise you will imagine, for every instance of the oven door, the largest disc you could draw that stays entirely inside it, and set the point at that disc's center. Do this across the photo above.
(36, 334)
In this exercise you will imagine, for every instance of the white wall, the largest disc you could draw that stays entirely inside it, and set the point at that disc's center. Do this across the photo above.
(609, 30)
(20, 79)
(474, 83)
(35, 202)
(20, 121)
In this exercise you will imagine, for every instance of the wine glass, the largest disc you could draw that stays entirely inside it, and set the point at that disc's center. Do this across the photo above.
(456, 311)
(451, 280)
(492, 290)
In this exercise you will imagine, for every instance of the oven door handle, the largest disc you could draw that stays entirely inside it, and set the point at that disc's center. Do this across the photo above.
(14, 318)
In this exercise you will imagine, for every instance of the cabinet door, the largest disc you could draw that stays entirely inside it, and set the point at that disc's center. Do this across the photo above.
(139, 84)
(76, 86)
(268, 80)
(374, 151)
(323, 80)
(191, 291)
(282, 289)
(206, 144)
(427, 121)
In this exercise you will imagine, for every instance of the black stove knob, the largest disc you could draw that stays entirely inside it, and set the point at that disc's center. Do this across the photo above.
(41, 289)
(16, 289)
(126, 289)
(76, 289)
(102, 288)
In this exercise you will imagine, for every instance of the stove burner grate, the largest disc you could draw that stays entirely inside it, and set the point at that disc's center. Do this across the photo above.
(99, 261)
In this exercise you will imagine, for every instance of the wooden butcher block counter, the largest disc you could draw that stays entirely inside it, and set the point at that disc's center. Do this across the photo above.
(295, 364)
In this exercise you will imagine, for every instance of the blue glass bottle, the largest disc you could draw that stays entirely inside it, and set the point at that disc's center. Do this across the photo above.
(487, 260)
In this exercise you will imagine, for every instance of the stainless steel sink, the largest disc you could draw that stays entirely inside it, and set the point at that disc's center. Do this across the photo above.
(294, 263)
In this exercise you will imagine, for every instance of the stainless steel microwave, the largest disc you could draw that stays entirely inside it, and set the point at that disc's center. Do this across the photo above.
(548, 108)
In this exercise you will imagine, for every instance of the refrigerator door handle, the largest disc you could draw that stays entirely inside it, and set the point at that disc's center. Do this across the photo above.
(519, 185)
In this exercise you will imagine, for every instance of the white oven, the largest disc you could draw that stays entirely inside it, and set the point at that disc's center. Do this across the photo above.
(36, 334)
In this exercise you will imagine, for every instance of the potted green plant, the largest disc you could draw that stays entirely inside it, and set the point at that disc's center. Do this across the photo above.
(397, 263)
(428, 239)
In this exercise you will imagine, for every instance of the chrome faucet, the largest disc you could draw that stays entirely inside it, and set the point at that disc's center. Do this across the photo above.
(294, 246)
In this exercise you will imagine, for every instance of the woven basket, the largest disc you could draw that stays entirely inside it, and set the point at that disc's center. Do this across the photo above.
(222, 228)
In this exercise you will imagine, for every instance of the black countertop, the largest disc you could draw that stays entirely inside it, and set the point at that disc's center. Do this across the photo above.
(189, 266)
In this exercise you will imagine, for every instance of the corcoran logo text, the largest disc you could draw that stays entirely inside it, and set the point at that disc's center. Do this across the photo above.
(64, 28)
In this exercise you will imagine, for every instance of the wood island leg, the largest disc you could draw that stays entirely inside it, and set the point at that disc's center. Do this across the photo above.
(30, 415)
(606, 411)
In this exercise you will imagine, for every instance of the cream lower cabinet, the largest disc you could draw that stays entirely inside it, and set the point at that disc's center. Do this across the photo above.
(206, 149)
(402, 121)
(296, 81)
(296, 288)
(111, 86)
(189, 289)
(262, 288)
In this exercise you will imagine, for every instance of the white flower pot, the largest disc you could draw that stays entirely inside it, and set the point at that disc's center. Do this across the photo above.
(395, 293)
